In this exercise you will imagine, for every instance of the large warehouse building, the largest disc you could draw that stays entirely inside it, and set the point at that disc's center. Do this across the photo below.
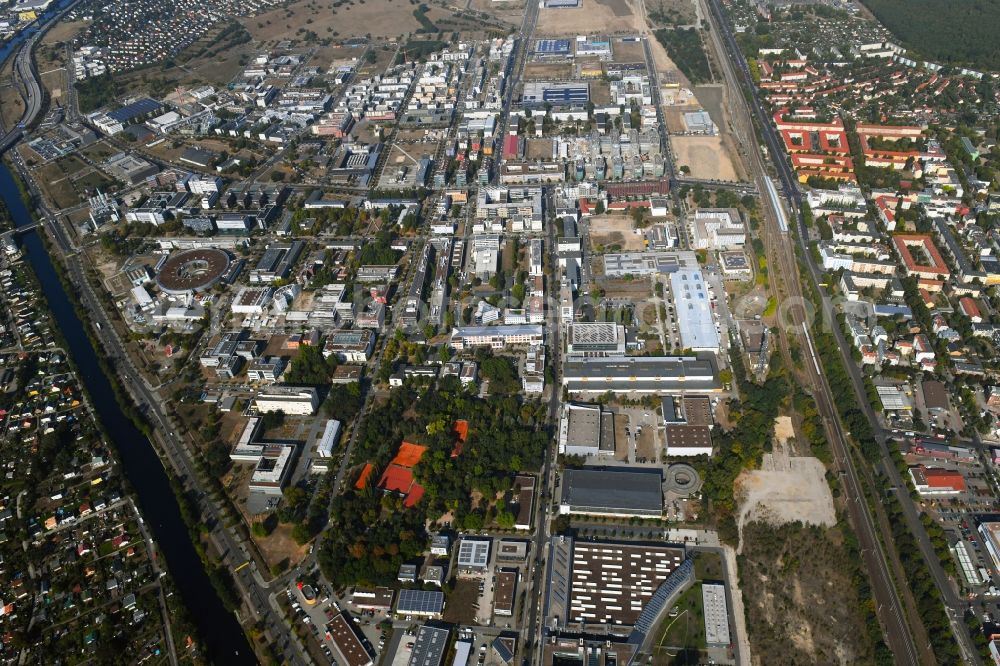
(617, 491)
(641, 374)
(586, 430)
(694, 310)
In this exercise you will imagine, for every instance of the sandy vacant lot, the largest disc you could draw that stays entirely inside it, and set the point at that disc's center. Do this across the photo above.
(705, 155)
(604, 16)
(548, 71)
(785, 489)
(609, 230)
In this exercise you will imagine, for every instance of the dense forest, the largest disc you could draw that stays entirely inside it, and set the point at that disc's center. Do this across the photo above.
(962, 32)
(685, 48)
(372, 534)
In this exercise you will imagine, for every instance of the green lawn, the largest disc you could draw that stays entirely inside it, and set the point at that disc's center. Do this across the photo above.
(681, 639)
(708, 566)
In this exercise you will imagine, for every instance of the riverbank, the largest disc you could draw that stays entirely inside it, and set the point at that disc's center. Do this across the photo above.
(224, 639)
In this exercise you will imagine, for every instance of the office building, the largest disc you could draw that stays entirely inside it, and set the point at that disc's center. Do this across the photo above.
(297, 400)
(713, 597)
(641, 374)
(473, 554)
(595, 339)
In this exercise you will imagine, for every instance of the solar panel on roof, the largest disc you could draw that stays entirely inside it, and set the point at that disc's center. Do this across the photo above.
(419, 601)
(134, 110)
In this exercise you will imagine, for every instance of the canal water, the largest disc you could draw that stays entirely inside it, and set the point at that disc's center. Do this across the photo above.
(222, 639)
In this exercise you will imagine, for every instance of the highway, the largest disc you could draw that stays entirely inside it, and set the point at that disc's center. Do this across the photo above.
(174, 450)
(26, 73)
(890, 609)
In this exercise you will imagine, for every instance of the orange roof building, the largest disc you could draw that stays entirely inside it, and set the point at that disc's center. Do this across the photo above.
(461, 429)
(398, 476)
(936, 481)
(935, 266)
(408, 454)
(365, 475)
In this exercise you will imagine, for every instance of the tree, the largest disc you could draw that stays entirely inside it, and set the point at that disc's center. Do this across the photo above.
(272, 419)
(301, 534)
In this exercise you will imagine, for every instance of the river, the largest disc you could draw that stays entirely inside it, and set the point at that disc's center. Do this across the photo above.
(221, 636)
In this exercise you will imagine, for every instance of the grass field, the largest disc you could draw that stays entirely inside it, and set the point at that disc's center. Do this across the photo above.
(683, 633)
(11, 104)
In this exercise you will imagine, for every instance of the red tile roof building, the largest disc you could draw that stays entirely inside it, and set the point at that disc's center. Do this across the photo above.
(935, 268)
(936, 481)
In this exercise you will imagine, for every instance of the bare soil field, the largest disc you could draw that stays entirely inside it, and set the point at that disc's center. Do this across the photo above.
(607, 16)
(637, 289)
(548, 71)
(674, 118)
(785, 489)
(198, 64)
(607, 230)
(508, 11)
(11, 104)
(671, 12)
(384, 56)
(538, 149)
(600, 93)
(461, 601)
(99, 151)
(54, 80)
(622, 51)
(280, 548)
(705, 155)
(621, 441)
(647, 446)
(50, 53)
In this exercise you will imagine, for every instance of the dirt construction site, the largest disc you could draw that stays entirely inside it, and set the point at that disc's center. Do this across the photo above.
(609, 230)
(786, 488)
(705, 156)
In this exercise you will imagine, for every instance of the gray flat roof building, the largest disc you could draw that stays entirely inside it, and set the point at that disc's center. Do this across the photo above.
(606, 582)
(713, 597)
(640, 263)
(619, 491)
(694, 310)
(473, 553)
(642, 374)
(586, 430)
(595, 339)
